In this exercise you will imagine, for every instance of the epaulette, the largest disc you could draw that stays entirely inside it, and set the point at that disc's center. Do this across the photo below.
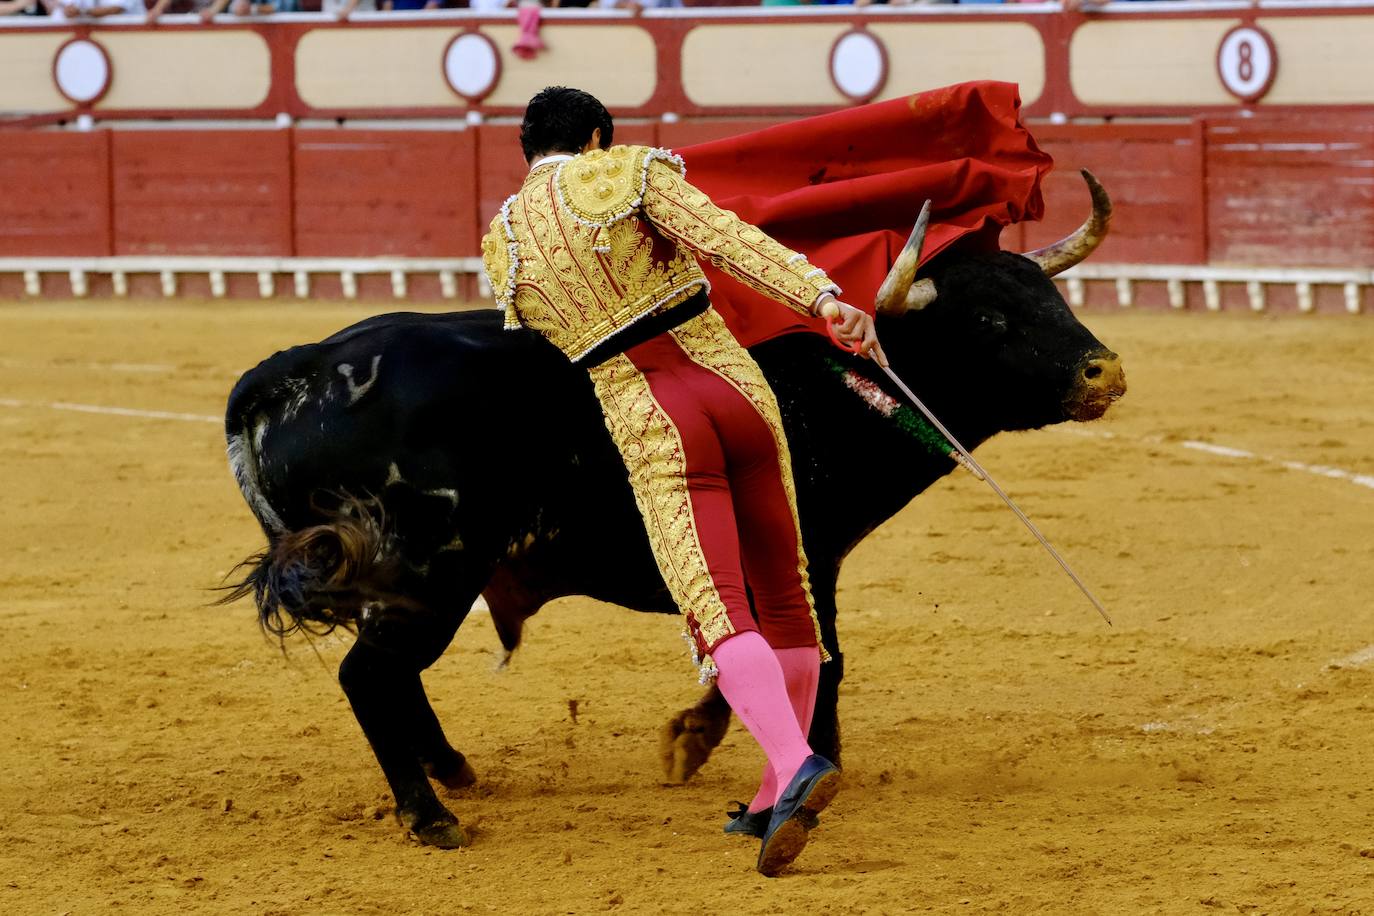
(603, 186)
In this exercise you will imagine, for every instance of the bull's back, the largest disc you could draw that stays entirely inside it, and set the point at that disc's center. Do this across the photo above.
(405, 394)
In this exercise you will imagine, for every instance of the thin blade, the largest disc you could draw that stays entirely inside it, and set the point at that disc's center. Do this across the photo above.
(964, 458)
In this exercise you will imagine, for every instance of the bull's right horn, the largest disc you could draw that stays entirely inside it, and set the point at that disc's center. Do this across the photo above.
(1065, 253)
(901, 292)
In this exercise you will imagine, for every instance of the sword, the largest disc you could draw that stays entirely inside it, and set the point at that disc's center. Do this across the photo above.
(830, 311)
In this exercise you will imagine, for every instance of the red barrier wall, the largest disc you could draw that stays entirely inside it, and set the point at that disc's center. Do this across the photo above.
(1286, 188)
(1260, 191)
(384, 192)
(56, 198)
(1154, 173)
(201, 192)
(688, 133)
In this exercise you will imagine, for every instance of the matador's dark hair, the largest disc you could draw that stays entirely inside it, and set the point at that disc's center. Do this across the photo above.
(561, 120)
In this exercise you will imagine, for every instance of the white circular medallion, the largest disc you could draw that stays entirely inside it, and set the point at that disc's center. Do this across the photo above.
(472, 65)
(1247, 62)
(858, 65)
(81, 70)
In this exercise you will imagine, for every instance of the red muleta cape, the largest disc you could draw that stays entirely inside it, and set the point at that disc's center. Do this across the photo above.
(845, 188)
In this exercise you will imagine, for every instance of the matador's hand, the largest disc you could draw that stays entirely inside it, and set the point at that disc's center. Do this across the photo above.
(854, 327)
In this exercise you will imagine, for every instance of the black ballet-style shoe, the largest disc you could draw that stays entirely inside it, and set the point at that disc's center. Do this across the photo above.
(746, 822)
(811, 789)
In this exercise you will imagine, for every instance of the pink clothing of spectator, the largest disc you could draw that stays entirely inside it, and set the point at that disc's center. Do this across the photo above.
(529, 43)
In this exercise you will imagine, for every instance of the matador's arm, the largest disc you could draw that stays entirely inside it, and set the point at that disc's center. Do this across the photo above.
(686, 215)
(499, 261)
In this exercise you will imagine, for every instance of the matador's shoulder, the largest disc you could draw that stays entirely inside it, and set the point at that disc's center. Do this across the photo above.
(603, 186)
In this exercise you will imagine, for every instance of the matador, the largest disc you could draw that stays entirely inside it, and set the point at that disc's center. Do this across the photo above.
(598, 252)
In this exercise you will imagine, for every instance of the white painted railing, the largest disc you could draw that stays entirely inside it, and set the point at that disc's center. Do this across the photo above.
(1127, 278)
(1257, 280)
(301, 270)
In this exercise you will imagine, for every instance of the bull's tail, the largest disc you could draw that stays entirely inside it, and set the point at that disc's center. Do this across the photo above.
(318, 578)
(324, 576)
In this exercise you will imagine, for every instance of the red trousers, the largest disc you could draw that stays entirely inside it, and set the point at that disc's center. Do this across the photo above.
(701, 436)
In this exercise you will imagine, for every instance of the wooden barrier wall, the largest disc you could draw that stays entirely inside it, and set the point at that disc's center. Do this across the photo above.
(56, 197)
(1265, 191)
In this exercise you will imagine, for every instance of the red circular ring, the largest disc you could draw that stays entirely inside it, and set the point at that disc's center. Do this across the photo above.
(495, 77)
(882, 54)
(109, 69)
(1268, 39)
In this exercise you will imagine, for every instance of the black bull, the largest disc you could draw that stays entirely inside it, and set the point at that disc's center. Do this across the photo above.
(409, 463)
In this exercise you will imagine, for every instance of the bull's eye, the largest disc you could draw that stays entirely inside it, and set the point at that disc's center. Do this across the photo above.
(990, 323)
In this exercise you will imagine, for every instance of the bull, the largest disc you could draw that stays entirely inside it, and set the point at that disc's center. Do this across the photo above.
(412, 462)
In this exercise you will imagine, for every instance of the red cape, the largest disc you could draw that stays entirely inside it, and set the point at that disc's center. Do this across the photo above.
(845, 188)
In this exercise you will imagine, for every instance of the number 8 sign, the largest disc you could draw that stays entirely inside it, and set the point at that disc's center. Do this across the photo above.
(1247, 62)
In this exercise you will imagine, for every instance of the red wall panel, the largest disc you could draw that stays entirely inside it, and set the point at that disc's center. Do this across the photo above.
(1267, 190)
(56, 197)
(687, 133)
(386, 192)
(1154, 176)
(1291, 191)
(205, 192)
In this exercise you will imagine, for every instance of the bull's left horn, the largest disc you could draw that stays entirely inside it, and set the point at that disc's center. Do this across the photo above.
(1065, 253)
(899, 293)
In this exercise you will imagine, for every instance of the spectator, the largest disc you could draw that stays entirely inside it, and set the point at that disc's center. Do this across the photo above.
(236, 7)
(643, 4)
(161, 7)
(61, 10)
(342, 9)
(15, 7)
(408, 5)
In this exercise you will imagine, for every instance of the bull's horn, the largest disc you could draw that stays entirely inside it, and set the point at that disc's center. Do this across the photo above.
(922, 294)
(1067, 252)
(898, 293)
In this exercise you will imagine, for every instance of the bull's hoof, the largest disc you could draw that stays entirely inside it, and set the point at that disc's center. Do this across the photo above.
(434, 827)
(687, 742)
(445, 834)
(458, 777)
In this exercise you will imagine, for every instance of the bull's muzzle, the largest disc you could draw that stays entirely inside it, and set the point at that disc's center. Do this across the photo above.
(1099, 382)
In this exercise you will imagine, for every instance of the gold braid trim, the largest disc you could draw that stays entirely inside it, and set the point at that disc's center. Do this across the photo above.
(501, 262)
(707, 341)
(688, 217)
(652, 450)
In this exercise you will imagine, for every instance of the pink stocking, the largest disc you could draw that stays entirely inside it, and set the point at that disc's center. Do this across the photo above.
(801, 668)
(752, 682)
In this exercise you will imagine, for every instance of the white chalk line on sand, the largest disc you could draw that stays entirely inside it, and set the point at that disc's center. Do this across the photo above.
(1226, 451)
(1355, 659)
(6, 363)
(114, 411)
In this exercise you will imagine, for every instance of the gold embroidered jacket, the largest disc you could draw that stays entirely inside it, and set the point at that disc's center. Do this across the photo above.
(593, 243)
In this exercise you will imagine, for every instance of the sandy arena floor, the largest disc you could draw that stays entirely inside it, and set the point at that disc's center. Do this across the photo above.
(1006, 751)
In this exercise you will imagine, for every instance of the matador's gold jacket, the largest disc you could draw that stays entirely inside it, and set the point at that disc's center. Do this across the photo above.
(593, 243)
